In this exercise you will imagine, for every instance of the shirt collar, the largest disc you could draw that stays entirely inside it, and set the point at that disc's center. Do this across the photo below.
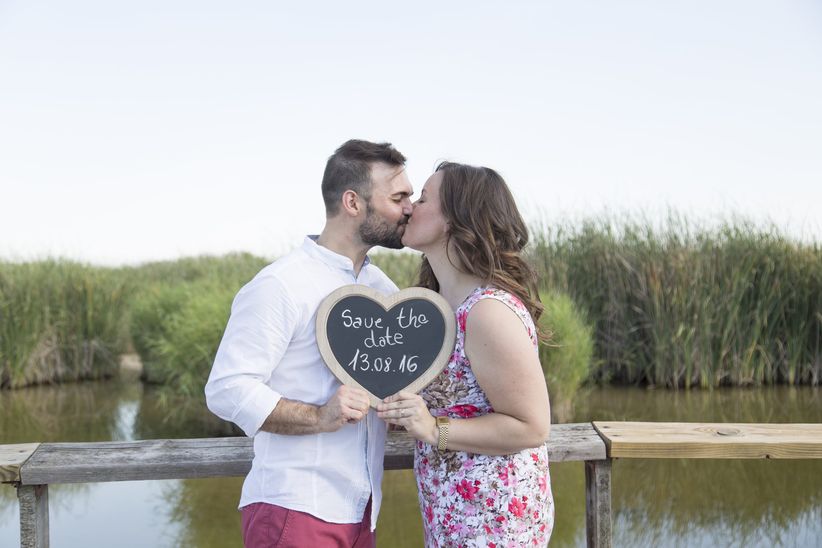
(313, 249)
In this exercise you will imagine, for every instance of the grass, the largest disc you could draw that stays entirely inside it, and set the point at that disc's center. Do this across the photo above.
(65, 321)
(567, 359)
(684, 306)
(178, 314)
(401, 266)
(59, 321)
(673, 306)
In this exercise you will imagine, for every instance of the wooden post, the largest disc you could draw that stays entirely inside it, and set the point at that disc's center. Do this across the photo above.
(598, 503)
(34, 515)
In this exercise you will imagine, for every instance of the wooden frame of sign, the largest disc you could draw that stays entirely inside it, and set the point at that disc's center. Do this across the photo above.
(385, 343)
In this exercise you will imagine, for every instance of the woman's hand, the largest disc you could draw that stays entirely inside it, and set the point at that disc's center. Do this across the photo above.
(409, 410)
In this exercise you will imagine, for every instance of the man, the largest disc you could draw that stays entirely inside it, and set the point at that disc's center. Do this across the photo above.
(318, 448)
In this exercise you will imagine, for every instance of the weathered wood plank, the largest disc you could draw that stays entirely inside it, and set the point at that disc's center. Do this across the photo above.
(137, 460)
(399, 451)
(568, 442)
(34, 515)
(575, 442)
(598, 503)
(711, 440)
(214, 457)
(11, 458)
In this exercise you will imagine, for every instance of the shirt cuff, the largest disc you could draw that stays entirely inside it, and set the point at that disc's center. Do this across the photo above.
(255, 408)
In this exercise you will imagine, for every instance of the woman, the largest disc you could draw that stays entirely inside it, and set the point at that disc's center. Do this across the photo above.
(482, 473)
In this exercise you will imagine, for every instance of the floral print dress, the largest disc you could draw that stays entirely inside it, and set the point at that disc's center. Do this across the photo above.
(469, 499)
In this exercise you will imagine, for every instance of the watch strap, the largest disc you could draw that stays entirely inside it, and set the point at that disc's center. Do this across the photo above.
(442, 431)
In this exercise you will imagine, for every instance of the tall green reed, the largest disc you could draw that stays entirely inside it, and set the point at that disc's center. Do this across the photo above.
(179, 310)
(567, 358)
(678, 305)
(59, 321)
(401, 266)
(684, 305)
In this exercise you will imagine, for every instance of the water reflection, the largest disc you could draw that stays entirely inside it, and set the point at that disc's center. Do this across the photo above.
(176, 418)
(747, 501)
(72, 412)
(205, 511)
(707, 501)
(105, 514)
(656, 502)
(775, 404)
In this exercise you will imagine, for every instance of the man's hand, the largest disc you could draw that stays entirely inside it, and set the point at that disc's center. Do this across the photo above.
(347, 406)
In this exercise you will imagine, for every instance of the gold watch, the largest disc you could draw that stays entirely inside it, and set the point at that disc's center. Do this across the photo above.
(442, 437)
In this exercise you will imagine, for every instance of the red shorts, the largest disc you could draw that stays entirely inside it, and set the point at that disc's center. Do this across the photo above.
(270, 526)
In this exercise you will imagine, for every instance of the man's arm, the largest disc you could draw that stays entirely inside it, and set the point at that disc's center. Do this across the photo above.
(346, 406)
(263, 321)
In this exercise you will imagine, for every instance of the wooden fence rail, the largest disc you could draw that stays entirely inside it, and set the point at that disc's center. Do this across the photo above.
(33, 467)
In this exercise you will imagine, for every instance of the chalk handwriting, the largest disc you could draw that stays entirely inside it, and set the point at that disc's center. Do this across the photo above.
(412, 321)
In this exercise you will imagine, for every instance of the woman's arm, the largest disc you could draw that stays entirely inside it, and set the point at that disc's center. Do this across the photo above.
(507, 368)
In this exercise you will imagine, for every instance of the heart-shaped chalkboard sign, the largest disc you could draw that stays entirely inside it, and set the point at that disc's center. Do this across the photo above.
(385, 343)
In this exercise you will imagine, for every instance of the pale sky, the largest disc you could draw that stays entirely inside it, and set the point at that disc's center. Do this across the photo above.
(134, 131)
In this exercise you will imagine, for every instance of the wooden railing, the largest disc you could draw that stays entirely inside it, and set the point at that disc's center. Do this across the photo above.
(33, 467)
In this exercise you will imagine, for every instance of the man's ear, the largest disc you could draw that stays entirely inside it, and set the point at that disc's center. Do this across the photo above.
(352, 203)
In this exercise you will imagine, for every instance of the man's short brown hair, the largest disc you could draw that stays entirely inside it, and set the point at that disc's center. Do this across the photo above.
(349, 168)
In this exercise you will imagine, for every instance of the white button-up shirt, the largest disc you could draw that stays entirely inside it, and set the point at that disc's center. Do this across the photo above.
(269, 350)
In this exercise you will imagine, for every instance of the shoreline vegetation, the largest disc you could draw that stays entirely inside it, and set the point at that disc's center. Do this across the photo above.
(628, 303)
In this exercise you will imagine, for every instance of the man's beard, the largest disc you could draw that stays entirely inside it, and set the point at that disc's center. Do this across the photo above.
(377, 231)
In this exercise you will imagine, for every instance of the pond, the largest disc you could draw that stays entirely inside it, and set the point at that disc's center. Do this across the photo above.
(655, 502)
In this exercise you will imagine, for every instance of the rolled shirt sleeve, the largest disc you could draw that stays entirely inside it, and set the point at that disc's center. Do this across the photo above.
(263, 320)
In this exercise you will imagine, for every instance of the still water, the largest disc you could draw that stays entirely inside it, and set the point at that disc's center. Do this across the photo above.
(655, 503)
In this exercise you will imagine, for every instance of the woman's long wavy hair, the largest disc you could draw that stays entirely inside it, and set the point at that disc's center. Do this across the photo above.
(486, 234)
